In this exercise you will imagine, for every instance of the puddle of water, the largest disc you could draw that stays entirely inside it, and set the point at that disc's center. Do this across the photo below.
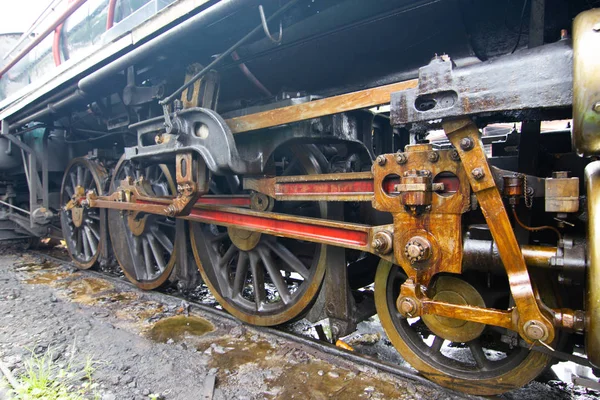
(85, 290)
(178, 328)
(47, 277)
(139, 310)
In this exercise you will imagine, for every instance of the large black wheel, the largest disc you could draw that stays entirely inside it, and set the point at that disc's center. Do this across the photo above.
(144, 244)
(484, 365)
(83, 228)
(263, 279)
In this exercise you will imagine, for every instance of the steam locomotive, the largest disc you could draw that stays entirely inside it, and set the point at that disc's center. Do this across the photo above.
(430, 162)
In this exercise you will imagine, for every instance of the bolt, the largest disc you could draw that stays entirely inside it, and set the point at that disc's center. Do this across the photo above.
(466, 144)
(407, 306)
(381, 160)
(401, 158)
(478, 173)
(382, 242)
(454, 155)
(596, 107)
(433, 156)
(535, 330)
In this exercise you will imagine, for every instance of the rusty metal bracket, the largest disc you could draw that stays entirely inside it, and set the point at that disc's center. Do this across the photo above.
(192, 182)
(510, 88)
(533, 324)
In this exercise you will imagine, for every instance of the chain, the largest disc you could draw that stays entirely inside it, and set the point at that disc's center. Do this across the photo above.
(527, 193)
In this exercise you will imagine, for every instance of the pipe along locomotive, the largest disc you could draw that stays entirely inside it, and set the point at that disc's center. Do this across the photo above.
(295, 152)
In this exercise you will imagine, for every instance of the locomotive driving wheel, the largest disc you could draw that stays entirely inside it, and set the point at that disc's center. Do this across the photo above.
(461, 355)
(263, 279)
(144, 244)
(82, 227)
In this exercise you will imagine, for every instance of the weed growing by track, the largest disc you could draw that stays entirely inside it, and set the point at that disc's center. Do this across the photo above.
(44, 378)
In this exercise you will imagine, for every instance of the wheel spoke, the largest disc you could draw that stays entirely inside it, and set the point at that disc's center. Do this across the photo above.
(147, 259)
(240, 274)
(73, 180)
(69, 191)
(289, 258)
(160, 261)
(275, 275)
(478, 354)
(90, 239)
(162, 239)
(86, 245)
(258, 281)
(224, 261)
(92, 227)
(436, 346)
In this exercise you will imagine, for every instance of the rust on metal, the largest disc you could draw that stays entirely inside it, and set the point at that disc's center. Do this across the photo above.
(332, 105)
(356, 186)
(496, 216)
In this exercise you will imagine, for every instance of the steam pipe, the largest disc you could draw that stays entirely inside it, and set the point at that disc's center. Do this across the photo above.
(66, 14)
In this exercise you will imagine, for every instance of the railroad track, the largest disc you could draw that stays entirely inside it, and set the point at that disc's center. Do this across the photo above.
(323, 349)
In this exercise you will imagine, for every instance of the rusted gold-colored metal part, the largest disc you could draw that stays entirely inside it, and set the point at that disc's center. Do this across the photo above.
(77, 215)
(243, 239)
(439, 223)
(562, 193)
(319, 108)
(586, 78)
(592, 298)
(453, 290)
(496, 216)
(192, 178)
(136, 223)
(204, 92)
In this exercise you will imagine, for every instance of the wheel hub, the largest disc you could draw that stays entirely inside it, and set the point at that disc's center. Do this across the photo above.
(136, 225)
(77, 215)
(243, 239)
(453, 290)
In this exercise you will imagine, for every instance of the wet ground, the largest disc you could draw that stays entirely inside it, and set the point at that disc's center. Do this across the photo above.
(150, 345)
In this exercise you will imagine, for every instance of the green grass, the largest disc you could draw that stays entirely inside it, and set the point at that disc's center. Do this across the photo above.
(45, 379)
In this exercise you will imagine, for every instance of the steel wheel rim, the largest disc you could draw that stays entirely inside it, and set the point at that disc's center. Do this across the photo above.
(239, 273)
(146, 259)
(84, 242)
(477, 375)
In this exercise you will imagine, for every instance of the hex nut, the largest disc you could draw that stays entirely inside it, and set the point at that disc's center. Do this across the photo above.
(383, 242)
(478, 173)
(381, 160)
(433, 156)
(417, 249)
(401, 158)
(466, 144)
(454, 156)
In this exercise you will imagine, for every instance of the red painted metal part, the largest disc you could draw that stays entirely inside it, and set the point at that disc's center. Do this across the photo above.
(276, 226)
(323, 188)
(66, 14)
(237, 201)
(110, 17)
